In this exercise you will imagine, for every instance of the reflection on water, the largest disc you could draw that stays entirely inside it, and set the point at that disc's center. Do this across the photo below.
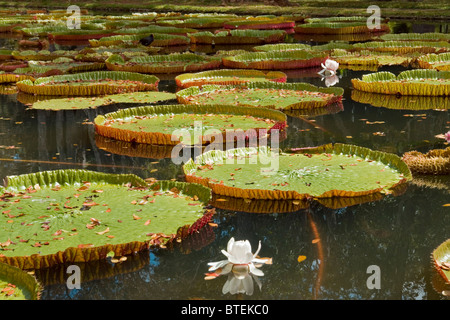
(396, 233)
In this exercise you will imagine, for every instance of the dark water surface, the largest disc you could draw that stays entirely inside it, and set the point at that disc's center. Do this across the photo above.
(395, 233)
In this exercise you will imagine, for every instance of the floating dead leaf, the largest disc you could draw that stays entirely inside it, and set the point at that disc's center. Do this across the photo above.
(147, 222)
(301, 258)
(446, 205)
(213, 224)
(315, 240)
(103, 232)
(135, 217)
(86, 245)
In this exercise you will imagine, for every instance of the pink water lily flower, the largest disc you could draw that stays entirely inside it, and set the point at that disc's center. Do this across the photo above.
(240, 258)
(447, 136)
(329, 68)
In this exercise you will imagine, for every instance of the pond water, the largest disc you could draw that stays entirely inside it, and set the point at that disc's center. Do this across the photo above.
(395, 233)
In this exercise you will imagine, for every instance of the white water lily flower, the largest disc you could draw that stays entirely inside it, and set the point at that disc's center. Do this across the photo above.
(240, 260)
(329, 68)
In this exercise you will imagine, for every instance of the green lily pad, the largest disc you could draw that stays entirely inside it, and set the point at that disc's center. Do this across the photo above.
(168, 125)
(62, 216)
(171, 63)
(281, 96)
(90, 83)
(238, 37)
(225, 77)
(441, 258)
(419, 82)
(434, 61)
(324, 172)
(86, 103)
(16, 284)
(160, 40)
(275, 60)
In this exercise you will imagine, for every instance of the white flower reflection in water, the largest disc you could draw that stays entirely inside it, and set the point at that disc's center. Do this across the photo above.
(241, 267)
(329, 72)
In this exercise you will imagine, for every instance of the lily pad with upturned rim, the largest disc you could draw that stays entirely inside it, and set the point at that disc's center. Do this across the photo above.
(227, 77)
(61, 216)
(90, 83)
(280, 96)
(440, 256)
(16, 284)
(167, 125)
(94, 102)
(171, 63)
(275, 60)
(419, 82)
(323, 172)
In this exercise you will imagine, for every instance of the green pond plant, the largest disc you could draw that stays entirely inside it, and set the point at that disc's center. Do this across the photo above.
(123, 99)
(268, 94)
(170, 63)
(90, 84)
(275, 60)
(71, 216)
(227, 77)
(327, 171)
(419, 82)
(176, 124)
(16, 284)
(441, 259)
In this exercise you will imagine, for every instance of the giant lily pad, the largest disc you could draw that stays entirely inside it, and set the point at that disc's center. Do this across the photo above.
(226, 77)
(428, 36)
(404, 46)
(89, 102)
(100, 54)
(171, 63)
(434, 61)
(349, 27)
(275, 60)
(16, 284)
(160, 40)
(71, 216)
(368, 58)
(261, 23)
(391, 101)
(441, 259)
(42, 55)
(323, 172)
(435, 161)
(420, 82)
(238, 37)
(167, 125)
(7, 77)
(59, 66)
(90, 83)
(281, 96)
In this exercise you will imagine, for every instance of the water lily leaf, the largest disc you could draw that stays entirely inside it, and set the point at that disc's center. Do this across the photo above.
(16, 284)
(282, 96)
(227, 77)
(420, 82)
(322, 172)
(89, 84)
(158, 125)
(276, 60)
(169, 63)
(238, 37)
(92, 223)
(73, 103)
(441, 260)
